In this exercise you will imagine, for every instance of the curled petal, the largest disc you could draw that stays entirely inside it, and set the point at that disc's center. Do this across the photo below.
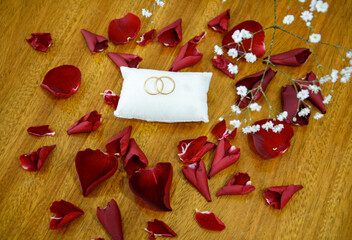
(122, 30)
(34, 161)
(221, 63)
(135, 159)
(196, 174)
(220, 23)
(88, 123)
(118, 144)
(40, 131)
(279, 196)
(171, 35)
(294, 58)
(146, 38)
(210, 221)
(64, 212)
(270, 144)
(159, 228)
(111, 98)
(96, 43)
(93, 167)
(220, 131)
(192, 150)
(40, 41)
(62, 81)
(153, 185)
(238, 185)
(110, 218)
(125, 59)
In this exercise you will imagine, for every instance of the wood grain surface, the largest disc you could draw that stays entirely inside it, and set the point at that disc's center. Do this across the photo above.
(320, 156)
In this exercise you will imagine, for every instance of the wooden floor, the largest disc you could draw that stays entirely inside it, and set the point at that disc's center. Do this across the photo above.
(320, 157)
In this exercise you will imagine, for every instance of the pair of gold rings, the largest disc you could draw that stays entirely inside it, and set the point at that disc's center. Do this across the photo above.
(159, 88)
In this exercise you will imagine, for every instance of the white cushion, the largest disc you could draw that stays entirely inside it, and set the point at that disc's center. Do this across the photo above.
(186, 103)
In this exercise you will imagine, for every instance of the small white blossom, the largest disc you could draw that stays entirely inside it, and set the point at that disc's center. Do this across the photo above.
(250, 57)
(288, 19)
(322, 6)
(233, 53)
(312, 5)
(146, 13)
(324, 79)
(232, 68)
(315, 37)
(351, 62)
(304, 112)
(218, 50)
(236, 36)
(245, 34)
(242, 91)
(223, 1)
(247, 129)
(349, 54)
(278, 128)
(345, 78)
(317, 116)
(334, 75)
(308, 24)
(255, 107)
(235, 123)
(302, 1)
(268, 125)
(235, 109)
(282, 116)
(346, 70)
(327, 99)
(307, 16)
(220, 119)
(303, 94)
(160, 3)
(314, 88)
(255, 128)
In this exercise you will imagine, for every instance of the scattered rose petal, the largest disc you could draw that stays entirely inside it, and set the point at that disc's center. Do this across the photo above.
(253, 81)
(98, 239)
(221, 63)
(96, 43)
(188, 55)
(238, 185)
(279, 196)
(110, 218)
(88, 123)
(118, 144)
(125, 59)
(209, 220)
(62, 81)
(220, 131)
(40, 131)
(158, 228)
(146, 38)
(111, 98)
(171, 35)
(294, 58)
(40, 41)
(258, 46)
(153, 185)
(64, 212)
(135, 159)
(192, 150)
(270, 144)
(93, 167)
(34, 161)
(122, 30)
(225, 156)
(220, 23)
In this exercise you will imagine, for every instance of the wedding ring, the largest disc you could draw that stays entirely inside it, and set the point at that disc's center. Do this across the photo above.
(159, 88)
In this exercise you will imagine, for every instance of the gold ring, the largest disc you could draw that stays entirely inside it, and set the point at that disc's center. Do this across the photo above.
(159, 90)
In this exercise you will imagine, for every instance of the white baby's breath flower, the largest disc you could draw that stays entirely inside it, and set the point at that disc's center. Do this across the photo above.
(327, 99)
(317, 116)
(160, 3)
(334, 75)
(307, 16)
(146, 13)
(349, 54)
(232, 68)
(236, 36)
(314, 88)
(247, 129)
(351, 62)
(278, 128)
(235, 109)
(345, 78)
(302, 1)
(303, 94)
(288, 19)
(242, 91)
(218, 50)
(304, 112)
(268, 125)
(308, 24)
(255, 128)
(346, 70)
(233, 53)
(312, 5)
(221, 119)
(322, 6)
(282, 116)
(245, 34)
(324, 79)
(315, 37)
(250, 57)
(255, 107)
(235, 123)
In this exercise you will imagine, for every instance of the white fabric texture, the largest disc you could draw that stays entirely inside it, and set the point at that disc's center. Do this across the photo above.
(187, 103)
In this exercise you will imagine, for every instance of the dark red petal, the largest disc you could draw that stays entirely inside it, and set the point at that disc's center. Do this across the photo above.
(220, 23)
(210, 221)
(269, 144)
(34, 161)
(96, 43)
(62, 81)
(40, 41)
(153, 185)
(252, 82)
(146, 38)
(279, 196)
(188, 55)
(196, 174)
(110, 218)
(220, 131)
(124, 29)
(295, 57)
(135, 159)
(258, 46)
(93, 167)
(111, 98)
(40, 131)
(64, 212)
(192, 150)
(225, 156)
(88, 123)
(125, 59)
(159, 228)
(221, 63)
(98, 239)
(238, 185)
(171, 35)
(118, 144)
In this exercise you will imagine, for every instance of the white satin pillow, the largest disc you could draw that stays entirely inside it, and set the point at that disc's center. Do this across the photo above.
(165, 97)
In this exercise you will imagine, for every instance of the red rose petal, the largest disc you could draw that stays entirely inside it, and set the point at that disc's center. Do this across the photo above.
(124, 29)
(40, 131)
(192, 150)
(98, 239)
(110, 218)
(64, 212)
(225, 156)
(171, 35)
(258, 46)
(111, 98)
(251, 82)
(196, 174)
(118, 144)
(153, 185)
(238, 185)
(220, 131)
(135, 159)
(294, 58)
(125, 59)
(93, 167)
(269, 144)
(88, 123)
(279, 196)
(159, 228)
(34, 161)
(220, 23)
(40, 41)
(96, 43)
(221, 63)
(210, 221)
(146, 38)
(62, 81)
